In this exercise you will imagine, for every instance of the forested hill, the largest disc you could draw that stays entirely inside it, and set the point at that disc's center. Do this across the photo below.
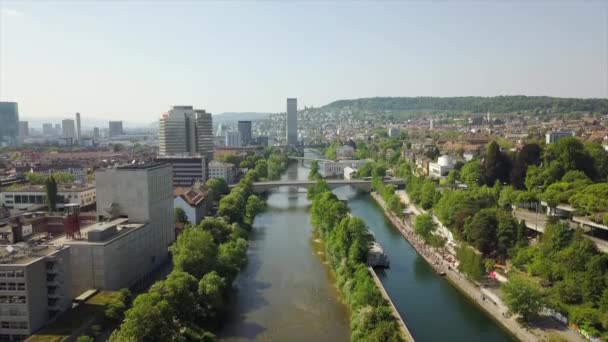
(497, 104)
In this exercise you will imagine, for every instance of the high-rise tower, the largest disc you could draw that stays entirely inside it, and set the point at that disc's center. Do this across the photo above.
(291, 122)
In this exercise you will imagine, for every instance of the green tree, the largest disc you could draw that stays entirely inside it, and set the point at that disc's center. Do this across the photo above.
(471, 173)
(218, 187)
(211, 290)
(231, 257)
(314, 170)
(253, 207)
(179, 291)
(63, 177)
(366, 170)
(522, 297)
(36, 178)
(150, 319)
(180, 216)
(496, 165)
(51, 193)
(194, 252)
(219, 229)
(424, 225)
(85, 338)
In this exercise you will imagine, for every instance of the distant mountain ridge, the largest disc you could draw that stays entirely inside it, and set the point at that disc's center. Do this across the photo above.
(497, 104)
(236, 116)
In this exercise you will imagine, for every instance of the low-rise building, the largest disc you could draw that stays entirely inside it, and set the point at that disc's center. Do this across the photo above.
(217, 169)
(350, 173)
(78, 172)
(194, 201)
(554, 136)
(441, 168)
(336, 169)
(33, 196)
(34, 287)
(186, 169)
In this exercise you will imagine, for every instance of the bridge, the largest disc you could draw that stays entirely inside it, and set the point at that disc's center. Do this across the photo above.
(303, 159)
(359, 184)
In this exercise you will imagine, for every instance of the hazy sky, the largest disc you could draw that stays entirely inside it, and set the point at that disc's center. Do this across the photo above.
(134, 60)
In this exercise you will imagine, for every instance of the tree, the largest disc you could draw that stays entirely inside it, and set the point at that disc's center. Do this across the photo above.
(219, 229)
(36, 178)
(180, 216)
(51, 193)
(481, 231)
(314, 170)
(232, 206)
(179, 291)
(522, 297)
(496, 165)
(231, 257)
(150, 319)
(194, 252)
(253, 207)
(424, 225)
(261, 168)
(453, 177)
(218, 187)
(319, 187)
(63, 177)
(366, 170)
(85, 338)
(471, 174)
(211, 290)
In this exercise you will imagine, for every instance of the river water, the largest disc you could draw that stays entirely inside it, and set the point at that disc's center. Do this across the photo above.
(286, 293)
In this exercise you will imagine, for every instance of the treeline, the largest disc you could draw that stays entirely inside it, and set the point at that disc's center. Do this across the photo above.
(347, 241)
(268, 166)
(191, 302)
(496, 104)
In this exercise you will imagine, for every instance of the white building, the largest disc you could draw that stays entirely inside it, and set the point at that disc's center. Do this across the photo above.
(69, 128)
(336, 169)
(31, 196)
(554, 136)
(350, 173)
(442, 167)
(218, 169)
(393, 132)
(194, 201)
(233, 139)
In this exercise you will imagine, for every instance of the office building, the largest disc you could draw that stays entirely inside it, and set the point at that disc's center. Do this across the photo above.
(233, 139)
(24, 129)
(47, 129)
(554, 136)
(115, 128)
(245, 132)
(186, 169)
(34, 287)
(96, 134)
(30, 197)
(291, 124)
(186, 131)
(218, 169)
(57, 129)
(78, 131)
(9, 127)
(69, 129)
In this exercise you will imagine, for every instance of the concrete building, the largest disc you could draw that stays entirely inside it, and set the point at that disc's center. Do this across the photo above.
(233, 139)
(336, 169)
(184, 130)
(34, 287)
(245, 132)
(9, 127)
(96, 134)
(78, 129)
(218, 169)
(441, 168)
(30, 197)
(57, 129)
(47, 129)
(68, 129)
(291, 121)
(393, 132)
(186, 169)
(195, 201)
(78, 172)
(350, 173)
(115, 128)
(24, 129)
(554, 136)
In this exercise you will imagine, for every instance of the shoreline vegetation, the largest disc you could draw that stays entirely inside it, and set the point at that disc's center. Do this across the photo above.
(346, 240)
(190, 303)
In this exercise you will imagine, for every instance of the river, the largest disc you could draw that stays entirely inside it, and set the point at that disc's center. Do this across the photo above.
(286, 293)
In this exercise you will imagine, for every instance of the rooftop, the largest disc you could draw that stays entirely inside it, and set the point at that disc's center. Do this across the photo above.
(60, 188)
(100, 233)
(145, 166)
(24, 253)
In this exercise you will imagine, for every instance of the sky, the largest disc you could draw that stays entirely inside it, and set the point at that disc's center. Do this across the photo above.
(133, 60)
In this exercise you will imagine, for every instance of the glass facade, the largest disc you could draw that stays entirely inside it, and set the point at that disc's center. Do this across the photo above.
(9, 123)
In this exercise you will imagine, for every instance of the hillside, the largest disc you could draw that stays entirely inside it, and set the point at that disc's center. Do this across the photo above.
(497, 104)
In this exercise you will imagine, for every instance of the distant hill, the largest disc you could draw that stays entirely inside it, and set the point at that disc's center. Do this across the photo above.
(234, 117)
(496, 104)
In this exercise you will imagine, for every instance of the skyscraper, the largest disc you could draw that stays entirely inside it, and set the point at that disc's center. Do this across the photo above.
(24, 129)
(115, 128)
(47, 129)
(96, 133)
(78, 132)
(69, 129)
(233, 139)
(9, 127)
(291, 124)
(185, 131)
(245, 132)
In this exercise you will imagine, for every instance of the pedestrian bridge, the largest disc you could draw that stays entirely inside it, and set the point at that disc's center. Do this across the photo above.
(359, 184)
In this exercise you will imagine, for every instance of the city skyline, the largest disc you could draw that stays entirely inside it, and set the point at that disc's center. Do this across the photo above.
(411, 49)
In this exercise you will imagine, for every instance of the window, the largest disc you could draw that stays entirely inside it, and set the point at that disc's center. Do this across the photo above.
(19, 274)
(5, 325)
(12, 286)
(20, 286)
(18, 199)
(2, 286)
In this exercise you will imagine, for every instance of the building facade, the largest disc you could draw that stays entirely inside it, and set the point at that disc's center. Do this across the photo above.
(47, 129)
(245, 132)
(9, 127)
(186, 169)
(78, 172)
(336, 169)
(186, 131)
(194, 201)
(291, 122)
(233, 139)
(554, 136)
(24, 129)
(218, 169)
(32, 196)
(441, 168)
(68, 127)
(115, 128)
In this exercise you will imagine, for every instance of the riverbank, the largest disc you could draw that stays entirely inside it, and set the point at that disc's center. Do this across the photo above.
(404, 330)
(441, 265)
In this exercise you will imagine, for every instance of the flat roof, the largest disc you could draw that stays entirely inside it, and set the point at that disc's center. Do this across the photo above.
(24, 253)
(60, 188)
(122, 225)
(146, 166)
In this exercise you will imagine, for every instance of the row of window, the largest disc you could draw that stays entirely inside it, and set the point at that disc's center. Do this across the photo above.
(12, 286)
(12, 312)
(13, 300)
(12, 274)
(6, 337)
(13, 325)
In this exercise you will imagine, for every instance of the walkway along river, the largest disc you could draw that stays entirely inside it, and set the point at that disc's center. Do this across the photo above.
(286, 293)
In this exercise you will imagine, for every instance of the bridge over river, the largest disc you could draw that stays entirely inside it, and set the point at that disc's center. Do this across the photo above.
(359, 184)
